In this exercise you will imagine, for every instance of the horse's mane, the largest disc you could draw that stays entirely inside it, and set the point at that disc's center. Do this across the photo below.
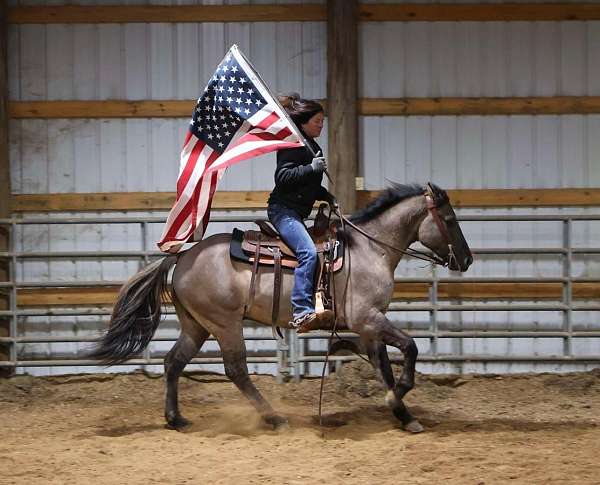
(391, 196)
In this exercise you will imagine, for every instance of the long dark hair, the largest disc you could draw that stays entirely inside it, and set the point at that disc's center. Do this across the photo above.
(300, 110)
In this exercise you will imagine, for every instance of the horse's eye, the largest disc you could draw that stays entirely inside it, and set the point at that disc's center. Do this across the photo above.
(449, 218)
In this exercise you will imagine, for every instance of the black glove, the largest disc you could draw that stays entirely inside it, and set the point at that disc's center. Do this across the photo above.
(333, 203)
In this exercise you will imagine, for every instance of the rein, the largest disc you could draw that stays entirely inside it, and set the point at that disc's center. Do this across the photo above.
(409, 251)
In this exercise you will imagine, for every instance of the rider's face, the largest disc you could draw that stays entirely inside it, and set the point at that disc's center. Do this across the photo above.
(312, 128)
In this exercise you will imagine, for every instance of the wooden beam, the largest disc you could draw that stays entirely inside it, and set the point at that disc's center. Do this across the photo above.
(511, 197)
(102, 109)
(365, 107)
(495, 291)
(103, 296)
(98, 14)
(342, 96)
(66, 14)
(493, 12)
(4, 182)
(125, 201)
(479, 106)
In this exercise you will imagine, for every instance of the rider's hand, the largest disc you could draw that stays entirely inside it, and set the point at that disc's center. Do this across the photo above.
(319, 164)
(334, 205)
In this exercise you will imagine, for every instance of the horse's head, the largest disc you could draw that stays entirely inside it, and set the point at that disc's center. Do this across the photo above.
(441, 233)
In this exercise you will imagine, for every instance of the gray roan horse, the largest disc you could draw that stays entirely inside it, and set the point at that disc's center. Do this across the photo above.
(210, 290)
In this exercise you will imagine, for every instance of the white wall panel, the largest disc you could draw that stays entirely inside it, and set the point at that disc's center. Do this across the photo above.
(428, 59)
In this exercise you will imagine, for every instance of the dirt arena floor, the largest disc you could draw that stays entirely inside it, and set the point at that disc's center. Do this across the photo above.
(103, 429)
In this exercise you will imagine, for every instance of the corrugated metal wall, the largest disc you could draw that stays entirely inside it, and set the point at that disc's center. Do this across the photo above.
(173, 61)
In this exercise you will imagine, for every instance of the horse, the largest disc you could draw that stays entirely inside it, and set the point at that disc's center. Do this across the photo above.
(210, 290)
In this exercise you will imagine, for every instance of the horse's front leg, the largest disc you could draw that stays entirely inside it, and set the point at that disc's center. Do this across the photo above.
(389, 333)
(386, 332)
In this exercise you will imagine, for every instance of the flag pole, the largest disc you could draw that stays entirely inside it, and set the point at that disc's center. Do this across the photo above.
(297, 132)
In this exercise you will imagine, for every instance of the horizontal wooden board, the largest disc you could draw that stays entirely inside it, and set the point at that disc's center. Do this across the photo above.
(101, 296)
(124, 201)
(511, 197)
(367, 107)
(492, 12)
(495, 291)
(302, 12)
(98, 14)
(479, 106)
(101, 109)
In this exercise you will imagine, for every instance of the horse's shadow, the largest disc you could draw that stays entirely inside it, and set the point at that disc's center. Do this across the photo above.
(356, 424)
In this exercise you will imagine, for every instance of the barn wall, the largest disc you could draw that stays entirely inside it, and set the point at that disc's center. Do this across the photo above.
(173, 61)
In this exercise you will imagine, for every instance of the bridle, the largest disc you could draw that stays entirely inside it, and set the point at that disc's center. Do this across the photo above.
(433, 210)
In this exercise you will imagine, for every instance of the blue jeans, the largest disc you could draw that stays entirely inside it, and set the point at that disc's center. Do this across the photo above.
(293, 231)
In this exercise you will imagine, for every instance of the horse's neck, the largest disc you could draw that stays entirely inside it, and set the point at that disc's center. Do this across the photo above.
(397, 226)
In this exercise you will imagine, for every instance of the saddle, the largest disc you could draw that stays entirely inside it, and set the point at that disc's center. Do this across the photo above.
(265, 247)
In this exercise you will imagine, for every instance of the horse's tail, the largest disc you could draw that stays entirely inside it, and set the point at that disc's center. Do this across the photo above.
(136, 314)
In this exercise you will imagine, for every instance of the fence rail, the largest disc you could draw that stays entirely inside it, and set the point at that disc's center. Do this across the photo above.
(291, 358)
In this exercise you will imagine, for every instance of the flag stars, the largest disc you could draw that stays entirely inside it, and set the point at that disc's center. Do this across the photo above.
(234, 69)
(232, 79)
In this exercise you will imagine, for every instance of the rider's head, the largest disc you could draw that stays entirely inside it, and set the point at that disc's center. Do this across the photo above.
(307, 114)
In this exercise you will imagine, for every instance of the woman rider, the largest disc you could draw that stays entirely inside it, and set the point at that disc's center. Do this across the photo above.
(298, 179)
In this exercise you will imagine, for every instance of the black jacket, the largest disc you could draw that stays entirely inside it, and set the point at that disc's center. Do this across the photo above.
(297, 185)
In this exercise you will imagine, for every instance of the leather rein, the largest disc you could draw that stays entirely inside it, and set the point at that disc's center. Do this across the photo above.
(430, 258)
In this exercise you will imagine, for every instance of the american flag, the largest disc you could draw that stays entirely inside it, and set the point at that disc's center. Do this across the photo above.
(234, 119)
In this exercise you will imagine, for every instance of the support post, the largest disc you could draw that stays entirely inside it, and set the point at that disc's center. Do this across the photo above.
(342, 102)
(5, 294)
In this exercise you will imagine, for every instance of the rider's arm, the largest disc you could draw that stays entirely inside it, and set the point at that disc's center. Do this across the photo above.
(290, 171)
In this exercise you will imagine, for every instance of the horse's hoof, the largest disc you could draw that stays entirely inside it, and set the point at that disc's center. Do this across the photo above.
(278, 422)
(414, 427)
(178, 423)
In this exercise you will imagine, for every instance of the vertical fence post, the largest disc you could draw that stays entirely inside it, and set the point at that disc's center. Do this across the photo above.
(13, 300)
(568, 288)
(433, 313)
(6, 324)
(144, 262)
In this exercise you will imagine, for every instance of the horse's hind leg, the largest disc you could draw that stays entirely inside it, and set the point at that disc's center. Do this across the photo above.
(192, 336)
(233, 350)
(378, 356)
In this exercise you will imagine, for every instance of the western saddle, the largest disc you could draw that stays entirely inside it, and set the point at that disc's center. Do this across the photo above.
(265, 247)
